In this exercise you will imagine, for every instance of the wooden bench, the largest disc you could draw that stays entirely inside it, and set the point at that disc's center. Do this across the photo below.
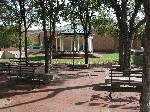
(116, 75)
(34, 64)
(7, 70)
(27, 71)
(76, 66)
(130, 77)
(18, 60)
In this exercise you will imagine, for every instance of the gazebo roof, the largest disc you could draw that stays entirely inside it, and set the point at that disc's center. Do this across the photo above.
(68, 30)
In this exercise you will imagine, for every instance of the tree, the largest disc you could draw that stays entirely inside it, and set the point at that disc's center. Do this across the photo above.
(145, 95)
(126, 13)
(7, 13)
(43, 16)
(48, 13)
(54, 8)
(25, 19)
(84, 10)
(21, 14)
(8, 36)
(104, 22)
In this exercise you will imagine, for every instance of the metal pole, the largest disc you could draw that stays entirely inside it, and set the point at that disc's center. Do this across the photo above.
(74, 27)
(73, 45)
(20, 47)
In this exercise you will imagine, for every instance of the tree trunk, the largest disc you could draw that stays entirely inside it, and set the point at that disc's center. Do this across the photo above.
(50, 54)
(51, 40)
(86, 48)
(45, 37)
(20, 39)
(25, 48)
(145, 95)
(46, 51)
(126, 39)
(25, 27)
(127, 53)
(121, 51)
(23, 17)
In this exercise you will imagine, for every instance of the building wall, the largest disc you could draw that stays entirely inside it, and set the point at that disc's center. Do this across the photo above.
(100, 43)
(136, 44)
(68, 42)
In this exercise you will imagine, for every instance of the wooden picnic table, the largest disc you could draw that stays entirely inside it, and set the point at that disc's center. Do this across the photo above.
(133, 77)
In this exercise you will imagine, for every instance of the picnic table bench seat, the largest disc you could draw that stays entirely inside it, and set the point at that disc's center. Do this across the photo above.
(119, 75)
(18, 60)
(7, 70)
(75, 66)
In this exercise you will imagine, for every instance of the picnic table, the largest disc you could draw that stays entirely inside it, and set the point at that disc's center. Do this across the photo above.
(33, 72)
(130, 77)
(28, 71)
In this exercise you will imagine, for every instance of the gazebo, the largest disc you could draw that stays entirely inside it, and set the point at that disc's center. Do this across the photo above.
(67, 35)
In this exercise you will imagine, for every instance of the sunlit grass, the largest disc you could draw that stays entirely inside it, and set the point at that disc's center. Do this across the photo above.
(105, 58)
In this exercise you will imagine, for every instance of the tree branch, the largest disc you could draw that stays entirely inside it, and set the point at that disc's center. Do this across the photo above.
(136, 9)
(139, 24)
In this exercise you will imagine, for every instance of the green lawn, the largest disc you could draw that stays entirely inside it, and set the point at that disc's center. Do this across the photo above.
(105, 58)
(137, 60)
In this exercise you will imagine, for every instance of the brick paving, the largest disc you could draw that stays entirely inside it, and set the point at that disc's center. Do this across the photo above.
(72, 91)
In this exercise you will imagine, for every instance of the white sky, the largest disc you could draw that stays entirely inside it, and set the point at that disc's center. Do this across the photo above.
(62, 23)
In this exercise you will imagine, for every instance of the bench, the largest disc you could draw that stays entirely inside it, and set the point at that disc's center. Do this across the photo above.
(7, 70)
(34, 64)
(76, 66)
(18, 60)
(116, 75)
(130, 77)
(28, 71)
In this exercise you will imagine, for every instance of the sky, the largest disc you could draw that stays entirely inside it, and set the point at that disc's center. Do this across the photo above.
(62, 23)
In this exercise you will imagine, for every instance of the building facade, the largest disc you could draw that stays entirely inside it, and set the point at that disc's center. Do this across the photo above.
(64, 38)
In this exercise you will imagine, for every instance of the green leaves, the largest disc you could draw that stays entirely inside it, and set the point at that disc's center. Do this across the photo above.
(104, 26)
(8, 36)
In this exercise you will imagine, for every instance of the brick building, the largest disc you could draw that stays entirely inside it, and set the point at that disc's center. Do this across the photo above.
(99, 43)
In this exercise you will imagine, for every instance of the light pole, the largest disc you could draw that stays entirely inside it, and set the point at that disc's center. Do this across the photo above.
(73, 26)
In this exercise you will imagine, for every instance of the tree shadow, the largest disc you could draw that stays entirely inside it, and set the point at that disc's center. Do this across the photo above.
(51, 95)
(132, 107)
(123, 103)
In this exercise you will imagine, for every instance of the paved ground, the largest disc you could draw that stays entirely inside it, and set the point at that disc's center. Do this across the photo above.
(71, 91)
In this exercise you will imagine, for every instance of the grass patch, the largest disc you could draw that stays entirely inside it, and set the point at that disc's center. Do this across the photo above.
(137, 60)
(105, 58)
